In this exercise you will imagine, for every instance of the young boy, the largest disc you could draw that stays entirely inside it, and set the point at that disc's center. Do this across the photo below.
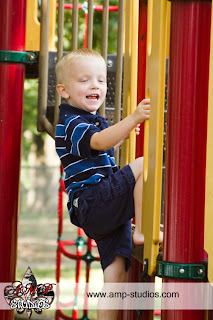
(102, 198)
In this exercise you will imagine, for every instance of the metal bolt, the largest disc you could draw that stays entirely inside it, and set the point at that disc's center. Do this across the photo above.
(181, 270)
(31, 56)
(200, 271)
(109, 63)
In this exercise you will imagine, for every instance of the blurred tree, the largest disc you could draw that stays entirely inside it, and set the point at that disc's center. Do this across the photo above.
(112, 36)
(30, 134)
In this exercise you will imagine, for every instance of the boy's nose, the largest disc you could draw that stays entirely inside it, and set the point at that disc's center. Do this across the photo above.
(95, 84)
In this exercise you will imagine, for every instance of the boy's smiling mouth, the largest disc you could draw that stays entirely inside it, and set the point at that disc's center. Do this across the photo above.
(93, 97)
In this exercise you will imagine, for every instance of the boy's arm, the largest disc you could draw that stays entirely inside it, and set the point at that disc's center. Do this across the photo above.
(137, 131)
(110, 137)
(118, 144)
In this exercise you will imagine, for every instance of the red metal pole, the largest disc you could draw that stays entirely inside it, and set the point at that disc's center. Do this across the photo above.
(142, 39)
(186, 138)
(12, 37)
(96, 7)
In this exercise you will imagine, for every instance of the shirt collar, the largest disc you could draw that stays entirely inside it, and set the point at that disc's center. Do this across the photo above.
(67, 111)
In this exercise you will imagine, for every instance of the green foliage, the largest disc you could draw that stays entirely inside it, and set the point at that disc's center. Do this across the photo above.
(97, 28)
(30, 134)
(112, 32)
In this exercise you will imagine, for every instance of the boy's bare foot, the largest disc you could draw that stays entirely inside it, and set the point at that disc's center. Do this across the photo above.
(138, 237)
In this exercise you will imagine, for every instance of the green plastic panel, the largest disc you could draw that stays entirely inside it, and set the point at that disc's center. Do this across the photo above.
(17, 57)
(181, 270)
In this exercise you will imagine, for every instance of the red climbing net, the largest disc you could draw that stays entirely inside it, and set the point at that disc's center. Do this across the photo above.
(79, 243)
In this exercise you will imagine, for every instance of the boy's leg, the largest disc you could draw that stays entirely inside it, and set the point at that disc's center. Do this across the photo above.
(114, 273)
(137, 169)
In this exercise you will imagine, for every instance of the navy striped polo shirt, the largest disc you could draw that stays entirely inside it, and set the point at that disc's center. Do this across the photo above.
(82, 165)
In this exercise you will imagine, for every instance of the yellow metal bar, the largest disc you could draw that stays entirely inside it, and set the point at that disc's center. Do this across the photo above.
(51, 45)
(153, 144)
(126, 81)
(130, 75)
(119, 68)
(119, 63)
(208, 235)
(33, 26)
(168, 23)
(134, 72)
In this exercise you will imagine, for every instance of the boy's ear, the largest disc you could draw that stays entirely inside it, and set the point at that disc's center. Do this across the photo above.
(62, 91)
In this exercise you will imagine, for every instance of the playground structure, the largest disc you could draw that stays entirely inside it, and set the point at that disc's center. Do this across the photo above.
(150, 38)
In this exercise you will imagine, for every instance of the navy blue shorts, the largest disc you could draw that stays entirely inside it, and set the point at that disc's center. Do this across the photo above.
(105, 212)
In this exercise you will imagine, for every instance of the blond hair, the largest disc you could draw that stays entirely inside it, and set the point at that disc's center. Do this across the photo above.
(71, 56)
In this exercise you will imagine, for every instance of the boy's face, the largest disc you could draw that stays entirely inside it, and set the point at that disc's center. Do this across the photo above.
(85, 83)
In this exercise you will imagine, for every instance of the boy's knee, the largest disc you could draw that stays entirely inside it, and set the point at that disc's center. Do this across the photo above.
(116, 272)
(140, 162)
(137, 167)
